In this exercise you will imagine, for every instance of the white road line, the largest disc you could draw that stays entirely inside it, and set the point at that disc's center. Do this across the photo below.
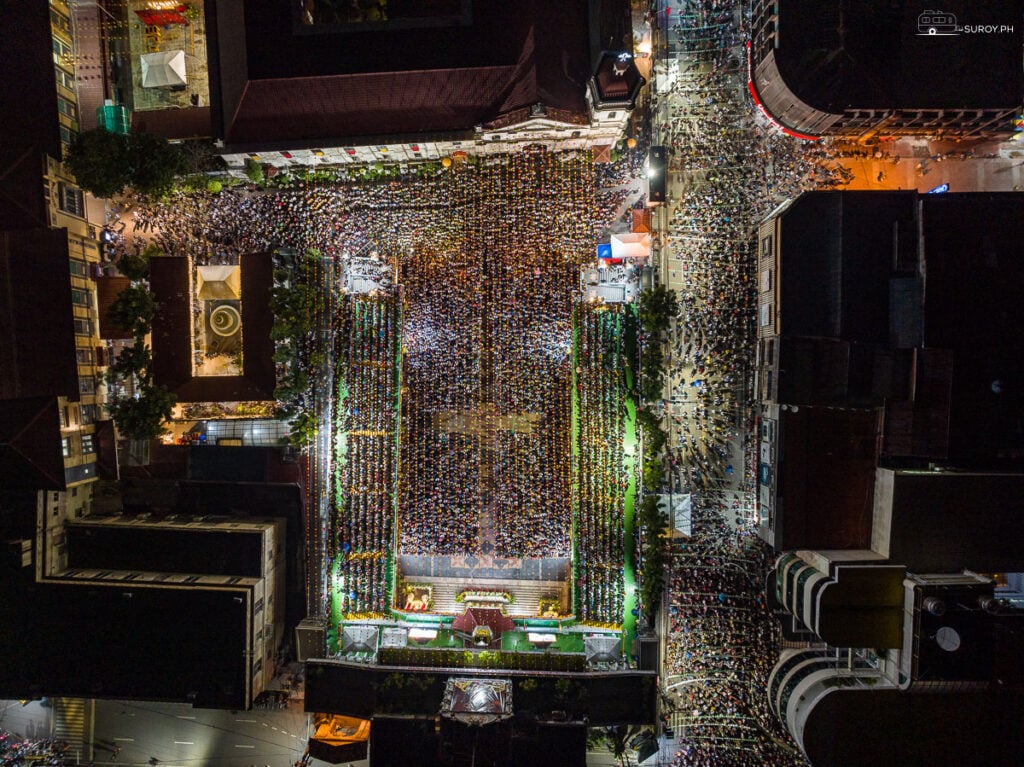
(242, 745)
(246, 720)
(126, 740)
(184, 743)
(185, 717)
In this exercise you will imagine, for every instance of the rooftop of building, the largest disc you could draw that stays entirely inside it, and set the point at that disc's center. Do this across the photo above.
(275, 80)
(850, 54)
(173, 347)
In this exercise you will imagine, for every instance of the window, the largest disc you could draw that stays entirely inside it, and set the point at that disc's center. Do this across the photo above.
(64, 79)
(83, 327)
(60, 21)
(611, 115)
(766, 247)
(259, 606)
(66, 108)
(79, 268)
(81, 297)
(62, 53)
(65, 449)
(70, 200)
(84, 356)
(87, 385)
(67, 136)
(64, 419)
(87, 444)
(766, 280)
(766, 315)
(88, 413)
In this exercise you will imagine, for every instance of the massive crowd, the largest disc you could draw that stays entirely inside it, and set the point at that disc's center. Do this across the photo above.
(366, 423)
(603, 477)
(730, 170)
(16, 751)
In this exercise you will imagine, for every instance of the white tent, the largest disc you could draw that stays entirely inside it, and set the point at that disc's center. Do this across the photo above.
(163, 69)
(631, 245)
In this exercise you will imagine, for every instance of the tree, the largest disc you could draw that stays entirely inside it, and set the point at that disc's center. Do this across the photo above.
(98, 159)
(155, 163)
(657, 308)
(142, 417)
(135, 266)
(133, 309)
(133, 360)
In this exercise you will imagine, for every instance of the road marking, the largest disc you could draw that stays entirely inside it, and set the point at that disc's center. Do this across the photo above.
(184, 743)
(242, 745)
(126, 740)
(246, 720)
(185, 717)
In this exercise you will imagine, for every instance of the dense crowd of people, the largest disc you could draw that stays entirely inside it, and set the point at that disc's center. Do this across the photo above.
(731, 169)
(603, 477)
(16, 751)
(485, 419)
(366, 417)
(721, 646)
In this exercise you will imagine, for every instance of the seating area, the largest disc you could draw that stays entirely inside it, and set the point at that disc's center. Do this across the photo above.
(601, 475)
(366, 423)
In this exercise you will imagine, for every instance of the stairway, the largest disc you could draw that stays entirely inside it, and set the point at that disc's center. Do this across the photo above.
(71, 724)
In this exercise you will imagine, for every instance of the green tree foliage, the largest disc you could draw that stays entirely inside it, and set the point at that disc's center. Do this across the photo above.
(657, 308)
(254, 171)
(135, 266)
(133, 361)
(104, 163)
(98, 159)
(303, 430)
(155, 163)
(652, 367)
(653, 524)
(143, 417)
(133, 309)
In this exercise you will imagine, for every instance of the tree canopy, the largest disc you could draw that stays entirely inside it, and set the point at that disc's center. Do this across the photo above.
(98, 159)
(133, 309)
(154, 164)
(104, 163)
(143, 417)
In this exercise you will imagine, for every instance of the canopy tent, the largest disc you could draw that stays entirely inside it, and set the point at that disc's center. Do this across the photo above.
(218, 282)
(163, 69)
(605, 648)
(631, 245)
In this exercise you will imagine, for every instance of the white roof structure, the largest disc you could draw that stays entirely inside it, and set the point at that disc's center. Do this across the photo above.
(631, 245)
(163, 69)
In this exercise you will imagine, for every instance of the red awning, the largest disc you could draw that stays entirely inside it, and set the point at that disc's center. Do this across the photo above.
(153, 18)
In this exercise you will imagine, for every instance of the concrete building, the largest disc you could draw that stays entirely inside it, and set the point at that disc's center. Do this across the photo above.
(891, 473)
(476, 78)
(880, 69)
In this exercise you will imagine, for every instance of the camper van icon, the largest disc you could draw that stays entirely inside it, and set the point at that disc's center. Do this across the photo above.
(936, 23)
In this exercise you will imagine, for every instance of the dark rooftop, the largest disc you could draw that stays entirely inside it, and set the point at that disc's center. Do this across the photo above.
(826, 468)
(37, 340)
(277, 81)
(851, 54)
(172, 334)
(974, 253)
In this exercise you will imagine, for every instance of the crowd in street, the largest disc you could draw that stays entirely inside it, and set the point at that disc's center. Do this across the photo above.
(16, 751)
(720, 647)
(730, 169)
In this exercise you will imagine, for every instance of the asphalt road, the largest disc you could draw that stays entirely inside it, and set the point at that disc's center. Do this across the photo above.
(177, 734)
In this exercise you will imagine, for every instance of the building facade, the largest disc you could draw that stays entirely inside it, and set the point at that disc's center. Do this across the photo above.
(865, 71)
